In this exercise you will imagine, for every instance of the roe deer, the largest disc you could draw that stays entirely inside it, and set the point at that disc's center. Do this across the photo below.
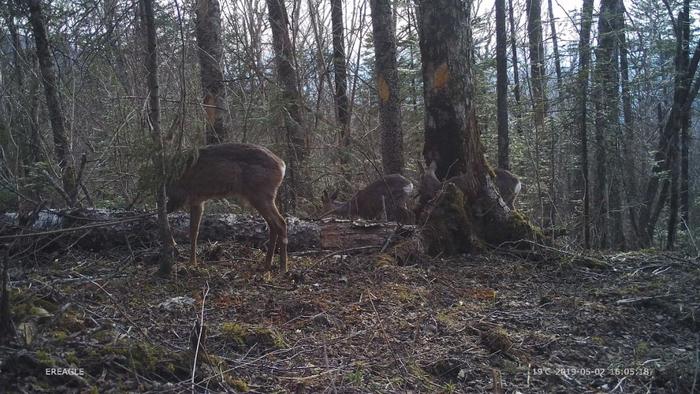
(428, 189)
(248, 171)
(508, 185)
(390, 194)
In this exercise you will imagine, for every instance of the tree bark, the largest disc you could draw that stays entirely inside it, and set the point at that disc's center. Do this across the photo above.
(682, 66)
(606, 103)
(340, 69)
(657, 189)
(296, 184)
(208, 32)
(502, 86)
(534, 31)
(582, 83)
(342, 105)
(167, 250)
(452, 137)
(628, 143)
(516, 76)
(387, 76)
(539, 106)
(555, 46)
(685, 177)
(48, 76)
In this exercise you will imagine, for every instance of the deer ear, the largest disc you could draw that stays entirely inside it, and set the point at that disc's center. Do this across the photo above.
(324, 196)
(334, 195)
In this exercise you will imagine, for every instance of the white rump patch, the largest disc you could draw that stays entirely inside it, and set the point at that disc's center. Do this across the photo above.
(408, 189)
(283, 168)
(518, 186)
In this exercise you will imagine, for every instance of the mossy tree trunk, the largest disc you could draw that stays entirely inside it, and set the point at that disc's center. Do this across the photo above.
(473, 210)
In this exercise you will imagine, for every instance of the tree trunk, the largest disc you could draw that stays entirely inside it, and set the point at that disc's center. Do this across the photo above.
(628, 143)
(555, 46)
(387, 75)
(342, 105)
(657, 189)
(502, 86)
(534, 31)
(340, 69)
(167, 250)
(516, 76)
(296, 184)
(685, 181)
(452, 137)
(606, 103)
(682, 66)
(48, 76)
(539, 103)
(208, 31)
(582, 84)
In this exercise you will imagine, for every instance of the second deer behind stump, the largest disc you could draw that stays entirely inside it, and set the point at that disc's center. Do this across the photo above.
(388, 195)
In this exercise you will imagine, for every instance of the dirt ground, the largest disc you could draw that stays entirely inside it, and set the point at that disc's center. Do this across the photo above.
(492, 323)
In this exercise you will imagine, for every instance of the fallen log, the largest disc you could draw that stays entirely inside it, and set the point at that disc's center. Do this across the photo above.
(100, 229)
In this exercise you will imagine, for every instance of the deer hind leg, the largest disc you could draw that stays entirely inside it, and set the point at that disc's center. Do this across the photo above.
(271, 243)
(282, 239)
(266, 206)
(195, 219)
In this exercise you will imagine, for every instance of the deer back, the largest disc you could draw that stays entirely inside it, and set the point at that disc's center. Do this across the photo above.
(508, 185)
(249, 171)
(391, 191)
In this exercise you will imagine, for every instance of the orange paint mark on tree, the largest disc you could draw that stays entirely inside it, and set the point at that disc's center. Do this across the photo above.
(441, 76)
(210, 108)
(383, 89)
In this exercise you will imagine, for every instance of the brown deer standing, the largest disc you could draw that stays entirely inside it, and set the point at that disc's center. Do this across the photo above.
(248, 171)
(389, 194)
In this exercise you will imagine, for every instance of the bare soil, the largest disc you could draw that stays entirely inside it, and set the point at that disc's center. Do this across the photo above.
(492, 323)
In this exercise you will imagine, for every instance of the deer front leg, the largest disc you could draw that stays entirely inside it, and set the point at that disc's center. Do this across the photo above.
(195, 218)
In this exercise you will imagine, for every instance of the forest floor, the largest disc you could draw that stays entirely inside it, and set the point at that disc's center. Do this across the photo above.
(627, 322)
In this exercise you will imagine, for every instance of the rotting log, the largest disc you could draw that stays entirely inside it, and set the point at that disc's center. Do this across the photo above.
(101, 229)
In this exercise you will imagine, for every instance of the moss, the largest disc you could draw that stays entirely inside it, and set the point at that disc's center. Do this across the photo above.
(384, 260)
(234, 332)
(641, 350)
(356, 377)
(60, 336)
(243, 335)
(71, 358)
(496, 340)
(144, 356)
(516, 227)
(239, 385)
(70, 322)
(448, 229)
(45, 358)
